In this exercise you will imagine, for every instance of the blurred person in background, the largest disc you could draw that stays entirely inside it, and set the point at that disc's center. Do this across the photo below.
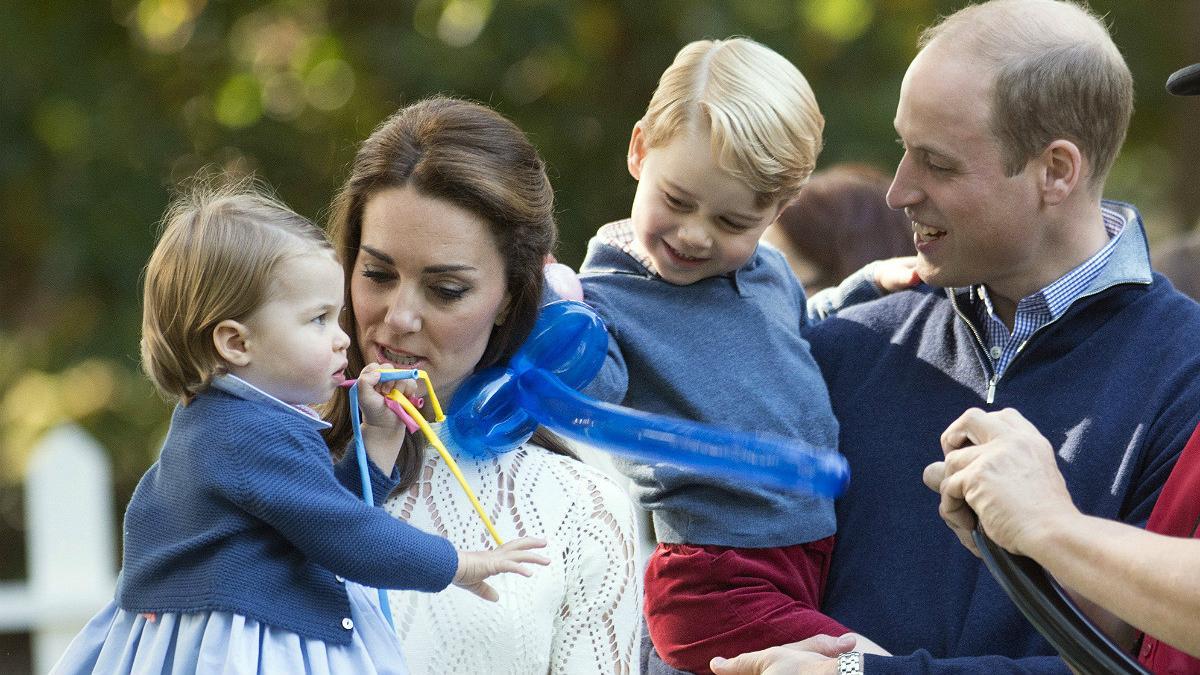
(838, 223)
(1179, 260)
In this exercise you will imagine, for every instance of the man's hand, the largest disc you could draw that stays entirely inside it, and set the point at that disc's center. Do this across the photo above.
(817, 654)
(1000, 466)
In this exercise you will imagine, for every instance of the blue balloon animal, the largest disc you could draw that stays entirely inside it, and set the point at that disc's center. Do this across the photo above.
(498, 409)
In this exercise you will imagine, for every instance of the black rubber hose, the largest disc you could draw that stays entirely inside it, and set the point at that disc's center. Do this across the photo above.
(1085, 648)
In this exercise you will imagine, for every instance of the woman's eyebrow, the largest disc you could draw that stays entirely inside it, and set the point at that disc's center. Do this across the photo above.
(439, 269)
(375, 253)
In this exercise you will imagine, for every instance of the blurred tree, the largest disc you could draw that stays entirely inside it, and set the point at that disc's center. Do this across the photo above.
(105, 106)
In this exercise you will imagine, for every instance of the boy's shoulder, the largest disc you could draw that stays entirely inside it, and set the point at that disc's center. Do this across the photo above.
(611, 251)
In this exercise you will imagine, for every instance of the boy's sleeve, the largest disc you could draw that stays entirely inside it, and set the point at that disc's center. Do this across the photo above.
(855, 289)
(612, 382)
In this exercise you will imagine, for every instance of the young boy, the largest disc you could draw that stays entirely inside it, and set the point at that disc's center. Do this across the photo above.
(706, 324)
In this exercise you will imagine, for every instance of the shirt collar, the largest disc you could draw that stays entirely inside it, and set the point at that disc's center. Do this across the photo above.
(236, 386)
(1124, 259)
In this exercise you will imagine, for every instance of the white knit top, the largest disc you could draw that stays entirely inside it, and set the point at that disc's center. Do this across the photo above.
(580, 614)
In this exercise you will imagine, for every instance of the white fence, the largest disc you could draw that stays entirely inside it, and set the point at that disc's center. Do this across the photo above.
(71, 552)
(70, 548)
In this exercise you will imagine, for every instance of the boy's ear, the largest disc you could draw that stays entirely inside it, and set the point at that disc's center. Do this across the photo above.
(783, 204)
(637, 151)
(229, 337)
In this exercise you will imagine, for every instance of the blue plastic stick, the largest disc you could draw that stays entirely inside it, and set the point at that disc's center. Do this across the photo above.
(360, 454)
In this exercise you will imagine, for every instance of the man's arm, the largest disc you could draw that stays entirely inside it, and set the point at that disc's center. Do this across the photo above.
(800, 659)
(1000, 468)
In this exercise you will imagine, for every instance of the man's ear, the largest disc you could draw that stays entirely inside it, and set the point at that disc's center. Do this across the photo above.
(637, 151)
(230, 339)
(1060, 172)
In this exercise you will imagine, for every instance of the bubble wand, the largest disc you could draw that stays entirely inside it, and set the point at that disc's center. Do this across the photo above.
(413, 419)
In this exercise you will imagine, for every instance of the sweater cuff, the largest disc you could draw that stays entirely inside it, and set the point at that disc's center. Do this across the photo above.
(855, 289)
(449, 563)
(922, 662)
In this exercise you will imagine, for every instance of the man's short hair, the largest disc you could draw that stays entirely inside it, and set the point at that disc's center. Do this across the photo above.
(1057, 74)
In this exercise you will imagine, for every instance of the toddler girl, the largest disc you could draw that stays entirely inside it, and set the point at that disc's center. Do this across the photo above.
(244, 545)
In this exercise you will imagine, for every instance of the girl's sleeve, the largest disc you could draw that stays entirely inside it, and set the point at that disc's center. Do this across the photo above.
(285, 478)
(598, 626)
(347, 473)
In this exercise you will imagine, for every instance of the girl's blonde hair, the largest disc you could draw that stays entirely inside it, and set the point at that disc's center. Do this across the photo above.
(762, 116)
(219, 246)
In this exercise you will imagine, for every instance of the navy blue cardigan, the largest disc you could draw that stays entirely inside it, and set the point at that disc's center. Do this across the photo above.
(244, 512)
(1114, 384)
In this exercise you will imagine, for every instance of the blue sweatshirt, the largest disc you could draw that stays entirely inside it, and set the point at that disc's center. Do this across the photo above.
(724, 350)
(1114, 384)
(244, 512)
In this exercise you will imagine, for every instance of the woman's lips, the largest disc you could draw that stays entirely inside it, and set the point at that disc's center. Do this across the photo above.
(399, 358)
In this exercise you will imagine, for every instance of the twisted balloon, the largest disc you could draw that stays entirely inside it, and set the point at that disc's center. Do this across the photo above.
(498, 409)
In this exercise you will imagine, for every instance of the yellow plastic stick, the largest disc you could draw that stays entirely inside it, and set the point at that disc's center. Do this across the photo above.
(433, 401)
(437, 443)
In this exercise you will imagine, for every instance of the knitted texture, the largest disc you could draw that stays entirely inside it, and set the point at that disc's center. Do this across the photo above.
(581, 614)
(724, 350)
(243, 512)
(1114, 384)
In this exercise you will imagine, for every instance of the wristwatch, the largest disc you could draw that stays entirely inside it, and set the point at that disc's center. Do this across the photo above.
(850, 663)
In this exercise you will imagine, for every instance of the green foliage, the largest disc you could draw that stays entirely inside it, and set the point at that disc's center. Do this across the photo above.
(106, 106)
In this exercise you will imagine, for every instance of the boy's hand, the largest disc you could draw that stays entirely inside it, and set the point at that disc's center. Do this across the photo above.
(896, 274)
(476, 566)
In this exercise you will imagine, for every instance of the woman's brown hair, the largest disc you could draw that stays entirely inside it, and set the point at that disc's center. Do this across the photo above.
(471, 156)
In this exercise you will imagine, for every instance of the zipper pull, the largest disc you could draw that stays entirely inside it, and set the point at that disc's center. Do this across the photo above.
(991, 392)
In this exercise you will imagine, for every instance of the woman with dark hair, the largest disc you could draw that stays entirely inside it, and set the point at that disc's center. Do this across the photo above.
(443, 226)
(838, 223)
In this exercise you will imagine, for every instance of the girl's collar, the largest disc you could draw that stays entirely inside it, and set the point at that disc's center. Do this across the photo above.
(236, 386)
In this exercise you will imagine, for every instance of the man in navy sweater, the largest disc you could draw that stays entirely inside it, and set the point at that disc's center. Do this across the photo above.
(1040, 297)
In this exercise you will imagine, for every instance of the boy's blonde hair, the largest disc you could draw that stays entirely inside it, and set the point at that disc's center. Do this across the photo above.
(214, 260)
(762, 116)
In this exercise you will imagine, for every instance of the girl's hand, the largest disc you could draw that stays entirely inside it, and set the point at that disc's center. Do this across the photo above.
(382, 431)
(476, 566)
(896, 274)
(371, 393)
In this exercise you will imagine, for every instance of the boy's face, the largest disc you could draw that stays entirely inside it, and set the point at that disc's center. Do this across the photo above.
(296, 350)
(690, 217)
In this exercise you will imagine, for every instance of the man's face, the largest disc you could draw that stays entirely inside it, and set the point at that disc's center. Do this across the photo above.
(972, 223)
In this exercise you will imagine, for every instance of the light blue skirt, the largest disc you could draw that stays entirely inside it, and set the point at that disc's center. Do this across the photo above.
(116, 641)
